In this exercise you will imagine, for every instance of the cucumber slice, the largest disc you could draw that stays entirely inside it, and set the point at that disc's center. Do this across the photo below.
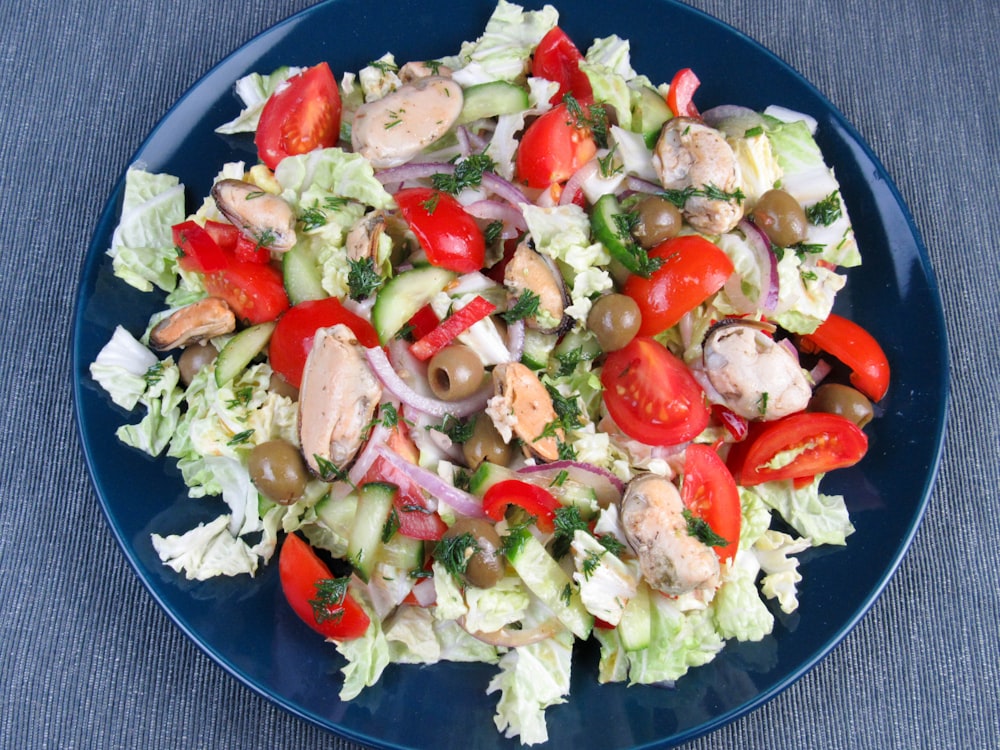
(365, 542)
(303, 275)
(403, 552)
(403, 295)
(549, 582)
(492, 99)
(338, 515)
(649, 113)
(486, 475)
(240, 350)
(635, 628)
(537, 348)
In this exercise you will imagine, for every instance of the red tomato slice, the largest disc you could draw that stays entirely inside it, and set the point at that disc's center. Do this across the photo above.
(693, 270)
(536, 501)
(857, 349)
(200, 250)
(451, 237)
(815, 443)
(708, 491)
(651, 395)
(302, 116)
(553, 148)
(458, 322)
(558, 59)
(292, 339)
(301, 572)
(681, 93)
(737, 426)
(255, 292)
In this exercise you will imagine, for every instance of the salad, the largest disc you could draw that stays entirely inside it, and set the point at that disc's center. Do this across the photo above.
(499, 351)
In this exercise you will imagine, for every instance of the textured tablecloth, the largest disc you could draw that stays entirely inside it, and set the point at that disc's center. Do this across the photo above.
(87, 660)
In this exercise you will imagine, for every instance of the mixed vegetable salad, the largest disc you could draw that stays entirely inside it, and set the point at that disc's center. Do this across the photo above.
(499, 351)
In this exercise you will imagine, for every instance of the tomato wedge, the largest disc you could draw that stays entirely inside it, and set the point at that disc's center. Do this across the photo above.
(254, 291)
(857, 349)
(681, 93)
(651, 395)
(693, 270)
(709, 491)
(320, 600)
(553, 147)
(451, 237)
(796, 447)
(536, 501)
(199, 249)
(557, 59)
(299, 117)
(293, 336)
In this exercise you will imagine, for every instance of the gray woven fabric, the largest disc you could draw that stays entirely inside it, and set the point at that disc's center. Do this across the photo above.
(87, 660)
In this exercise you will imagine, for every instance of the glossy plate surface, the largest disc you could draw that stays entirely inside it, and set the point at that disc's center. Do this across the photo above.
(244, 625)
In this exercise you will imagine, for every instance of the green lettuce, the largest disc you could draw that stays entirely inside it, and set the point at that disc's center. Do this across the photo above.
(142, 245)
(254, 90)
(737, 609)
(823, 519)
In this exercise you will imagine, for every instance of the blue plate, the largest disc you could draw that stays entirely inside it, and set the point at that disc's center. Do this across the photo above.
(243, 625)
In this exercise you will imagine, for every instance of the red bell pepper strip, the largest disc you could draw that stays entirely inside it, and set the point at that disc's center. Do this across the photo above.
(681, 94)
(536, 501)
(458, 322)
(857, 349)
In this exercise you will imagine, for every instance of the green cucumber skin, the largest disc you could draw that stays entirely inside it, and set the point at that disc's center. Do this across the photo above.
(240, 350)
(403, 295)
(303, 277)
(375, 502)
(492, 99)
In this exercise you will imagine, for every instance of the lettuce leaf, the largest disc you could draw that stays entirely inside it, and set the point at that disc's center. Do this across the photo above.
(823, 519)
(254, 90)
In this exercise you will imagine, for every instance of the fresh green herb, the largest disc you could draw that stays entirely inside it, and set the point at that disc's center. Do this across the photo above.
(431, 203)
(265, 238)
(362, 278)
(606, 164)
(335, 202)
(567, 522)
(312, 218)
(457, 430)
(700, 530)
(255, 194)
(825, 212)
(567, 408)
(762, 403)
(567, 594)
(493, 231)
(679, 197)
(154, 374)
(461, 479)
(625, 222)
(395, 118)
(405, 333)
(434, 66)
(468, 174)
(559, 479)
(569, 360)
(241, 397)
(383, 66)
(329, 601)
(808, 275)
(454, 552)
(330, 472)
(752, 132)
(566, 451)
(525, 306)
(240, 437)
(515, 539)
(594, 119)
(391, 526)
(611, 544)
(388, 415)
(591, 563)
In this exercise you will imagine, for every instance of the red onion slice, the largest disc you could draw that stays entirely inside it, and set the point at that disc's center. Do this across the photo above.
(390, 379)
(606, 485)
(639, 185)
(514, 638)
(513, 219)
(504, 188)
(574, 186)
(515, 340)
(767, 262)
(442, 491)
(409, 172)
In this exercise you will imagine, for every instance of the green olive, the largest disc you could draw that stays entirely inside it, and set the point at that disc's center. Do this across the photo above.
(485, 568)
(455, 372)
(282, 387)
(614, 319)
(781, 218)
(834, 398)
(485, 444)
(278, 471)
(193, 358)
(658, 220)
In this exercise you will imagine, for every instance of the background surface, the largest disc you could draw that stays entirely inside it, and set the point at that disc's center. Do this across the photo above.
(87, 659)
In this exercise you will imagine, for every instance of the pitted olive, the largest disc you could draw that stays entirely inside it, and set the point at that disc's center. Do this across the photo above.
(614, 319)
(455, 372)
(781, 218)
(485, 566)
(485, 444)
(835, 398)
(193, 358)
(278, 471)
(658, 221)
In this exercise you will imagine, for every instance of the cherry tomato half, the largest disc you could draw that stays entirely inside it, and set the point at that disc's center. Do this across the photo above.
(302, 116)
(536, 501)
(651, 395)
(814, 442)
(708, 491)
(857, 349)
(558, 59)
(451, 237)
(553, 147)
(293, 336)
(302, 573)
(254, 291)
(693, 270)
